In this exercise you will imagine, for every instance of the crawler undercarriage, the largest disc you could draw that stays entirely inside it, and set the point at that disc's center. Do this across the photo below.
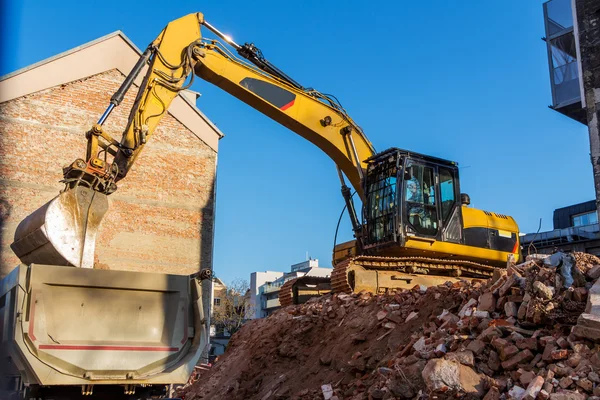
(382, 274)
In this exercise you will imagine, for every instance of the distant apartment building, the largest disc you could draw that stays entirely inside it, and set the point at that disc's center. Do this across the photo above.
(218, 337)
(575, 229)
(219, 290)
(265, 286)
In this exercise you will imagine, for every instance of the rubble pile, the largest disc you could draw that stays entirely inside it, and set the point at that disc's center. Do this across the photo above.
(510, 337)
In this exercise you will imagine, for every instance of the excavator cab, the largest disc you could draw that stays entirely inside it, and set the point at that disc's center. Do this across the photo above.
(417, 229)
(410, 195)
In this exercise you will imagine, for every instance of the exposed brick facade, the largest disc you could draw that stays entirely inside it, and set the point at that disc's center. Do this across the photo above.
(160, 219)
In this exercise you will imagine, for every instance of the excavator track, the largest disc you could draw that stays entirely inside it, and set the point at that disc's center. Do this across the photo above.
(286, 295)
(301, 289)
(421, 267)
(339, 277)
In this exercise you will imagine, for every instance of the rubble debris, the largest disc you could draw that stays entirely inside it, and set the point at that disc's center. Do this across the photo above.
(443, 375)
(542, 290)
(520, 335)
(327, 391)
(588, 323)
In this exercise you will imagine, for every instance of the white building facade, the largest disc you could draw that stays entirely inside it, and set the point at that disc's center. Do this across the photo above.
(265, 286)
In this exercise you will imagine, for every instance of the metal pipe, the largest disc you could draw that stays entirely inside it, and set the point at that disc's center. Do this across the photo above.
(252, 54)
(221, 35)
(117, 98)
(340, 175)
(360, 171)
(120, 93)
(111, 106)
(349, 204)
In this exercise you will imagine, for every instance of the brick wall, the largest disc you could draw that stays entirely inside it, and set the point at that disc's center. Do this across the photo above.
(160, 219)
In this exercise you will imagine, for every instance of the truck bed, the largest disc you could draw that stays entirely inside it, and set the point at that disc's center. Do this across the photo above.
(72, 326)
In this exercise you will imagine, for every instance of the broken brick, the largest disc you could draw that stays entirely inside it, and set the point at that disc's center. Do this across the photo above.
(508, 351)
(527, 343)
(487, 302)
(534, 388)
(559, 354)
(476, 346)
(519, 358)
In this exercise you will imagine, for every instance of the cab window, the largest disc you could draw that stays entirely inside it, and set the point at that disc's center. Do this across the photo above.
(419, 192)
(381, 203)
(447, 192)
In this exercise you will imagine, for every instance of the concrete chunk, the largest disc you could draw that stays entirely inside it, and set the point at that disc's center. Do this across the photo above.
(463, 357)
(442, 375)
(542, 290)
(588, 323)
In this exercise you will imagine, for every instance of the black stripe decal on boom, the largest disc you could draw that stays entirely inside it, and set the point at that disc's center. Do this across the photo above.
(275, 95)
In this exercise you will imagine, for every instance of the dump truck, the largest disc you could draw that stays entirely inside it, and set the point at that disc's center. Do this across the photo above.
(74, 332)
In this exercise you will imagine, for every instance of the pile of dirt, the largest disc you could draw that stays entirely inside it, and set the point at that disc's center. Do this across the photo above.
(508, 337)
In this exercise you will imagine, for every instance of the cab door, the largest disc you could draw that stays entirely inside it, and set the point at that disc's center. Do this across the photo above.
(430, 197)
(380, 212)
(450, 207)
(421, 209)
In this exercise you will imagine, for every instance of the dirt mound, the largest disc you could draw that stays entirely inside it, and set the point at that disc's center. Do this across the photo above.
(501, 337)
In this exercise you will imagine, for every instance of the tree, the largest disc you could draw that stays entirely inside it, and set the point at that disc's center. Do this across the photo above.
(234, 305)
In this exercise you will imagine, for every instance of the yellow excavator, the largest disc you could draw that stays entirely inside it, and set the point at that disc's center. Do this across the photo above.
(415, 227)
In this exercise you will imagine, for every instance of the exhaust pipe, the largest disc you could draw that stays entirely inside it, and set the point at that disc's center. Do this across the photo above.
(62, 231)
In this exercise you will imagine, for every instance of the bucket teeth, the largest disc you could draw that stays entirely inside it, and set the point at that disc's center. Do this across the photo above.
(62, 231)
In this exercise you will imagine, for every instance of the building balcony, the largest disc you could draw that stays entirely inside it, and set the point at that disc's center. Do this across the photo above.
(270, 288)
(272, 303)
(563, 60)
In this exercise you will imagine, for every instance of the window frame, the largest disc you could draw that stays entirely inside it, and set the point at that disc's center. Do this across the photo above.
(446, 219)
(409, 162)
(588, 214)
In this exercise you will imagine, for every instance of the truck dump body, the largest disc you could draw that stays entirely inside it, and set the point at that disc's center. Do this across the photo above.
(73, 326)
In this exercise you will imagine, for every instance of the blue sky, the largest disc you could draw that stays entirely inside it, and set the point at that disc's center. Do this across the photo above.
(466, 81)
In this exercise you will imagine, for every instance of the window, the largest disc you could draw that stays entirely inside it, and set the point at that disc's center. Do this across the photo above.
(217, 301)
(565, 72)
(588, 218)
(381, 202)
(559, 16)
(420, 199)
(446, 192)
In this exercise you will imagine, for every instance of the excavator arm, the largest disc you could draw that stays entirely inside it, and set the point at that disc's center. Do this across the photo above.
(64, 229)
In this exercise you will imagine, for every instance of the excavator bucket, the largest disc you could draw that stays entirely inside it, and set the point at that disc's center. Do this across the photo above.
(62, 231)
